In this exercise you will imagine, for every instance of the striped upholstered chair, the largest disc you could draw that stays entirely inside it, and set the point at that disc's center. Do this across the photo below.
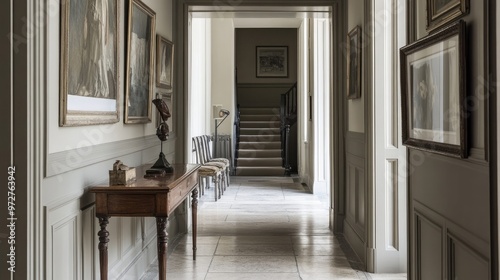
(226, 162)
(208, 170)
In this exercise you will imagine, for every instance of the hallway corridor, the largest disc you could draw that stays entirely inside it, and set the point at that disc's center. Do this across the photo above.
(264, 228)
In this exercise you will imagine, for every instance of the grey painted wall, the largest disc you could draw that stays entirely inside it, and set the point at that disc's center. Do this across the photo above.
(263, 92)
(356, 107)
(356, 219)
(449, 198)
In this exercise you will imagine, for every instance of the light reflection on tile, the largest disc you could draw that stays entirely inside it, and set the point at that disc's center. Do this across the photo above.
(253, 264)
(253, 276)
(254, 250)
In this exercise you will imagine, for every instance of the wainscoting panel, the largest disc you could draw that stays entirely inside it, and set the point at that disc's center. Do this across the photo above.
(63, 254)
(89, 239)
(445, 250)
(430, 248)
(392, 204)
(355, 221)
(465, 262)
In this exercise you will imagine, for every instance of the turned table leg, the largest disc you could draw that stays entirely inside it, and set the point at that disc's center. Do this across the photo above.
(103, 247)
(161, 227)
(195, 219)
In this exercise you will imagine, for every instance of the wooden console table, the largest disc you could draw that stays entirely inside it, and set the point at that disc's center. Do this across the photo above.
(147, 198)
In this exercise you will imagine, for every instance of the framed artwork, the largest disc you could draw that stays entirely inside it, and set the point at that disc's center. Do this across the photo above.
(164, 62)
(272, 62)
(433, 88)
(354, 63)
(140, 63)
(168, 99)
(441, 12)
(89, 80)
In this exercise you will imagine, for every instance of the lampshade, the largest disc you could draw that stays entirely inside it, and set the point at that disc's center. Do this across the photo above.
(223, 113)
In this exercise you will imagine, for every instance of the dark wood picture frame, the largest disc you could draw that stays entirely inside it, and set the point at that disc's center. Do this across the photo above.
(164, 62)
(433, 92)
(271, 61)
(139, 84)
(442, 12)
(89, 47)
(354, 63)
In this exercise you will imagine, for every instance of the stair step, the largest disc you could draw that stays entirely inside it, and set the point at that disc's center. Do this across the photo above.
(260, 138)
(260, 171)
(259, 117)
(259, 111)
(260, 162)
(259, 131)
(260, 124)
(243, 153)
(260, 145)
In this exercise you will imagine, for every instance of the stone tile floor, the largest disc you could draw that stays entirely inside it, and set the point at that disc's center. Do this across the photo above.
(264, 228)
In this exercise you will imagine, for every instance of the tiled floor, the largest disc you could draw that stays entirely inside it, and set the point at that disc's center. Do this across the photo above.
(264, 228)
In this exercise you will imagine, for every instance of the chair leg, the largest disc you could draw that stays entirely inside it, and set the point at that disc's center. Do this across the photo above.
(227, 178)
(219, 185)
(221, 182)
(216, 188)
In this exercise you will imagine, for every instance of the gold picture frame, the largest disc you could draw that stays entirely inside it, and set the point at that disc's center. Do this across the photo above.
(89, 76)
(139, 84)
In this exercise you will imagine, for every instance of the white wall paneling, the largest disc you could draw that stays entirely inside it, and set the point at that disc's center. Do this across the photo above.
(200, 81)
(321, 106)
(64, 248)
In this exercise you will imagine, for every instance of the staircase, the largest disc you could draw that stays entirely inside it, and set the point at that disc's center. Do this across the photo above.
(259, 149)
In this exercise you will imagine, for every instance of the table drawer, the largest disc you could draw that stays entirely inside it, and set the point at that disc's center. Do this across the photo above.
(131, 205)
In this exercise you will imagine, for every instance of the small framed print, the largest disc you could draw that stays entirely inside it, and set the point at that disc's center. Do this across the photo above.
(164, 62)
(354, 63)
(272, 62)
(442, 12)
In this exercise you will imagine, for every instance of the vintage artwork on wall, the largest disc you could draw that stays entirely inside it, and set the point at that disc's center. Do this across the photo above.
(164, 62)
(168, 99)
(140, 63)
(354, 63)
(272, 62)
(89, 82)
(441, 12)
(433, 89)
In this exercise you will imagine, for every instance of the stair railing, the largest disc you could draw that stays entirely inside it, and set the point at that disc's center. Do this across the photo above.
(288, 116)
(236, 139)
(237, 132)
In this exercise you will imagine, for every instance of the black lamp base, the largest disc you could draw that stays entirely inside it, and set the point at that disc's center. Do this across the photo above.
(160, 168)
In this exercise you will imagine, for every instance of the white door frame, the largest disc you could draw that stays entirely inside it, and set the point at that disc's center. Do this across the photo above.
(387, 242)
